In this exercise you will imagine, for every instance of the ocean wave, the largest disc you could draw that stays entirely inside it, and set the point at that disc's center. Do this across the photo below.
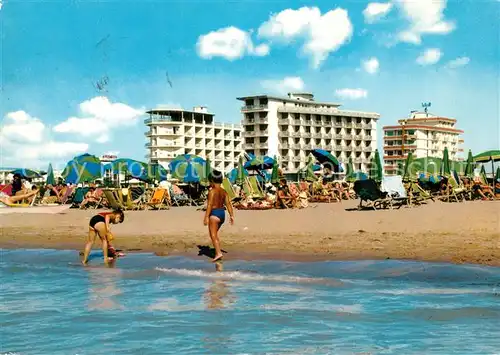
(434, 291)
(247, 276)
(341, 308)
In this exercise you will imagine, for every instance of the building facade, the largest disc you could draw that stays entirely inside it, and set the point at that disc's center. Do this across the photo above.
(291, 127)
(423, 134)
(173, 132)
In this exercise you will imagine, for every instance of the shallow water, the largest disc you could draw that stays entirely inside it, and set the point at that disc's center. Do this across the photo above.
(151, 305)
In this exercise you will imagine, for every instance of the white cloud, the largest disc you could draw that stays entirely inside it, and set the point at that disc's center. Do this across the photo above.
(371, 65)
(26, 141)
(425, 17)
(458, 62)
(230, 43)
(98, 117)
(322, 34)
(351, 94)
(287, 84)
(375, 11)
(429, 56)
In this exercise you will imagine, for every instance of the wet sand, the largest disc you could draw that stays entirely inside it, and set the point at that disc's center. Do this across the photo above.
(446, 232)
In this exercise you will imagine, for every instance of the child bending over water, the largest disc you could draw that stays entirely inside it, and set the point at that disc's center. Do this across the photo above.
(216, 214)
(100, 225)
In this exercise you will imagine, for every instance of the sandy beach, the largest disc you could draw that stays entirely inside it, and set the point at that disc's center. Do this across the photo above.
(456, 232)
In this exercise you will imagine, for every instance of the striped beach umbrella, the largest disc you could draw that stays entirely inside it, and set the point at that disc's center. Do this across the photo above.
(207, 171)
(445, 166)
(157, 172)
(326, 158)
(130, 167)
(406, 169)
(187, 168)
(469, 167)
(240, 172)
(83, 168)
(27, 173)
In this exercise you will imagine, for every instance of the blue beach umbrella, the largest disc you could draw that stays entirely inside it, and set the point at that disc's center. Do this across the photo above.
(187, 168)
(83, 168)
(259, 163)
(130, 167)
(234, 173)
(326, 158)
(27, 173)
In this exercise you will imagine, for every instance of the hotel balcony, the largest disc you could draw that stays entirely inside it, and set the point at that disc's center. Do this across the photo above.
(248, 108)
(284, 145)
(347, 136)
(159, 119)
(262, 133)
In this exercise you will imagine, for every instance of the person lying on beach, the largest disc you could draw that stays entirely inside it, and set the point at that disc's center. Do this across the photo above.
(10, 200)
(100, 225)
(215, 214)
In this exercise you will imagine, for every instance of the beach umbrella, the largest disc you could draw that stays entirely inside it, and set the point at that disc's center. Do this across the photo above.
(426, 165)
(497, 174)
(482, 173)
(130, 167)
(359, 175)
(327, 159)
(259, 163)
(406, 170)
(469, 167)
(309, 170)
(27, 173)
(375, 172)
(83, 168)
(157, 172)
(350, 173)
(275, 173)
(445, 166)
(489, 155)
(187, 168)
(207, 171)
(241, 173)
(50, 176)
(234, 173)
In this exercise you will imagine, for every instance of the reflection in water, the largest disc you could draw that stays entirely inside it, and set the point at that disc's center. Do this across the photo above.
(103, 288)
(217, 295)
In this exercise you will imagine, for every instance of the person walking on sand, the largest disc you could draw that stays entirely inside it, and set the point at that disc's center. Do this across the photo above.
(100, 225)
(215, 214)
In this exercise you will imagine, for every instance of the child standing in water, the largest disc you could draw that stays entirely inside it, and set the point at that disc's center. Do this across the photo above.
(100, 225)
(216, 214)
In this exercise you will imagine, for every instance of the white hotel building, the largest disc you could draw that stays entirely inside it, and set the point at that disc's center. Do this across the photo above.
(175, 131)
(291, 127)
(423, 134)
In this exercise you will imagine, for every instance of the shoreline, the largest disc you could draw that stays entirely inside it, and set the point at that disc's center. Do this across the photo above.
(438, 232)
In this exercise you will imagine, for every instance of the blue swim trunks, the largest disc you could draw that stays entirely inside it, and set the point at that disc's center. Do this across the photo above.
(220, 213)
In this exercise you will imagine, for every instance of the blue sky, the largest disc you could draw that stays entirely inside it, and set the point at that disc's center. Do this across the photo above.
(53, 53)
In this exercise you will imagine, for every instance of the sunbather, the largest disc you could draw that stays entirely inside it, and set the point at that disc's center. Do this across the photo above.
(10, 200)
(482, 190)
(497, 189)
(90, 198)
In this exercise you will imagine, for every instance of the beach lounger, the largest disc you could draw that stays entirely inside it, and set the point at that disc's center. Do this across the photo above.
(179, 197)
(368, 191)
(113, 201)
(79, 196)
(396, 192)
(456, 192)
(418, 195)
(157, 200)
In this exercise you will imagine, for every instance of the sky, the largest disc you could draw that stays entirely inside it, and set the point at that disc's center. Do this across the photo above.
(78, 76)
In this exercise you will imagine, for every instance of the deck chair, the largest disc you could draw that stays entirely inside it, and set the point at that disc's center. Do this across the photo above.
(126, 200)
(179, 197)
(368, 190)
(252, 189)
(418, 194)
(457, 192)
(396, 192)
(67, 194)
(157, 200)
(113, 201)
(79, 196)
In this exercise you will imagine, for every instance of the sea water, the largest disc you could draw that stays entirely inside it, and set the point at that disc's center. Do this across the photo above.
(158, 305)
